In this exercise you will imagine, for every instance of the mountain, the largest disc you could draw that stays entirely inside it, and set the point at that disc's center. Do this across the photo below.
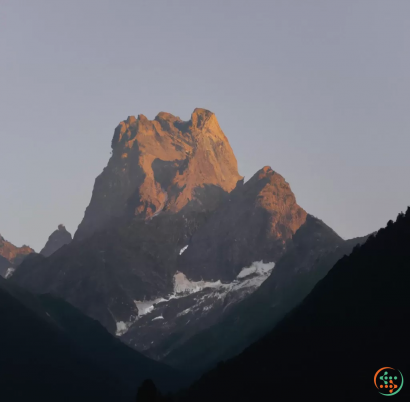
(254, 223)
(12, 253)
(162, 165)
(53, 352)
(163, 180)
(314, 250)
(11, 256)
(353, 323)
(224, 262)
(174, 242)
(57, 239)
(169, 184)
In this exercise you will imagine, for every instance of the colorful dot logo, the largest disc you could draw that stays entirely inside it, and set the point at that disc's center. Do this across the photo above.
(388, 381)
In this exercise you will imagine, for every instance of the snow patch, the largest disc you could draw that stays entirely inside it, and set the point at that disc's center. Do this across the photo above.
(183, 285)
(182, 250)
(122, 327)
(252, 276)
(161, 207)
(246, 282)
(257, 267)
(9, 273)
(184, 312)
(146, 306)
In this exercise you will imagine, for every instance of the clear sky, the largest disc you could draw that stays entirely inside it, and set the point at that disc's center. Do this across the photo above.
(319, 90)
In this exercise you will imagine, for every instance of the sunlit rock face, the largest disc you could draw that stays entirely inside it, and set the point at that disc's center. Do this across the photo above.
(255, 222)
(14, 255)
(164, 179)
(161, 165)
(169, 212)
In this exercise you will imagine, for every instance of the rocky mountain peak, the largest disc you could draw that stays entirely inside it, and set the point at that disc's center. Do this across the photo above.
(255, 222)
(201, 118)
(12, 253)
(266, 171)
(162, 165)
(277, 198)
(57, 239)
(131, 119)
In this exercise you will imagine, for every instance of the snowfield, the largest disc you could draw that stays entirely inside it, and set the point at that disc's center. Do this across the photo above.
(246, 282)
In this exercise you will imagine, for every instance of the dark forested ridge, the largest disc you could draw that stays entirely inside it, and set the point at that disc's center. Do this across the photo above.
(50, 351)
(354, 322)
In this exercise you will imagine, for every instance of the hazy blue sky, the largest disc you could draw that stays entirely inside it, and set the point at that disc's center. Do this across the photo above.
(318, 90)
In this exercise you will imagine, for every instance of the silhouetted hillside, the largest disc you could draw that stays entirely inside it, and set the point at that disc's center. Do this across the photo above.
(315, 248)
(50, 351)
(354, 322)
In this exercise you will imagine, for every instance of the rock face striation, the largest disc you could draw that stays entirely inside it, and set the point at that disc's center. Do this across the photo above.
(57, 239)
(161, 165)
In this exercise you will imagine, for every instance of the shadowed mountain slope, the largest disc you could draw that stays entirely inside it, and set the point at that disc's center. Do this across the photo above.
(254, 223)
(57, 239)
(4, 265)
(314, 249)
(52, 352)
(354, 322)
(169, 184)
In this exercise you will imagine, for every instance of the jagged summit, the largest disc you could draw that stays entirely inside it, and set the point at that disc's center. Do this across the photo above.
(200, 119)
(276, 195)
(265, 171)
(255, 222)
(12, 253)
(57, 239)
(162, 165)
